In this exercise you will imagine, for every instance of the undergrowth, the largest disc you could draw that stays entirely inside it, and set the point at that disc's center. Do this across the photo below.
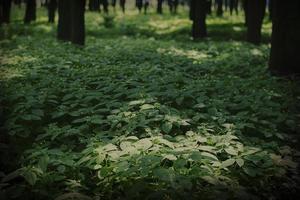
(135, 115)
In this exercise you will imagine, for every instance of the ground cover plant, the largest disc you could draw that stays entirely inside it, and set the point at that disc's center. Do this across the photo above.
(143, 112)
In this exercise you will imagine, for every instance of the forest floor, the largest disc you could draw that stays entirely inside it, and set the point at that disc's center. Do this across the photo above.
(144, 112)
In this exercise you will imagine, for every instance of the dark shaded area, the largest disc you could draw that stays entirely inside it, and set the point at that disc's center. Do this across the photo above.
(30, 13)
(198, 11)
(52, 7)
(71, 21)
(285, 57)
(255, 14)
(5, 7)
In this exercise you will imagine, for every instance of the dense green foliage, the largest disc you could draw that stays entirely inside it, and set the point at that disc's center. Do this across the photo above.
(137, 115)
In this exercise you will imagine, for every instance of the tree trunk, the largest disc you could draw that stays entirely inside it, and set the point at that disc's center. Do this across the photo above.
(30, 13)
(77, 21)
(219, 8)
(5, 6)
(255, 15)
(64, 20)
(244, 3)
(94, 5)
(198, 11)
(159, 6)
(52, 6)
(285, 56)
(209, 5)
(270, 9)
(105, 5)
(233, 5)
(226, 4)
(1, 12)
(122, 4)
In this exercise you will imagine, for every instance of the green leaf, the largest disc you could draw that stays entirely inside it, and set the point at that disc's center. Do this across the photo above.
(167, 127)
(209, 155)
(97, 121)
(231, 151)
(253, 172)
(43, 163)
(196, 156)
(227, 163)
(122, 166)
(137, 102)
(30, 176)
(240, 162)
(211, 180)
(143, 144)
(170, 157)
(109, 147)
(163, 174)
(146, 107)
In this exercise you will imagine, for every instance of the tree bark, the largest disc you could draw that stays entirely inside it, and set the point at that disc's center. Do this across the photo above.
(255, 15)
(244, 3)
(77, 22)
(71, 25)
(52, 6)
(30, 13)
(94, 5)
(122, 5)
(64, 20)
(198, 11)
(285, 54)
(209, 5)
(159, 6)
(233, 5)
(270, 9)
(219, 8)
(5, 6)
(105, 5)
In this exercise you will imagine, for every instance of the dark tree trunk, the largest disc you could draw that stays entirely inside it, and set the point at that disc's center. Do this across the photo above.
(64, 20)
(285, 54)
(255, 15)
(1, 12)
(71, 25)
(45, 3)
(17, 2)
(139, 5)
(233, 5)
(245, 2)
(30, 13)
(270, 8)
(209, 5)
(52, 6)
(198, 11)
(5, 6)
(122, 4)
(219, 8)
(94, 5)
(105, 5)
(77, 22)
(159, 6)
(226, 4)
(146, 5)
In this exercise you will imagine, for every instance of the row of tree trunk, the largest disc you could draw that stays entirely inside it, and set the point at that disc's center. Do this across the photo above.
(284, 57)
